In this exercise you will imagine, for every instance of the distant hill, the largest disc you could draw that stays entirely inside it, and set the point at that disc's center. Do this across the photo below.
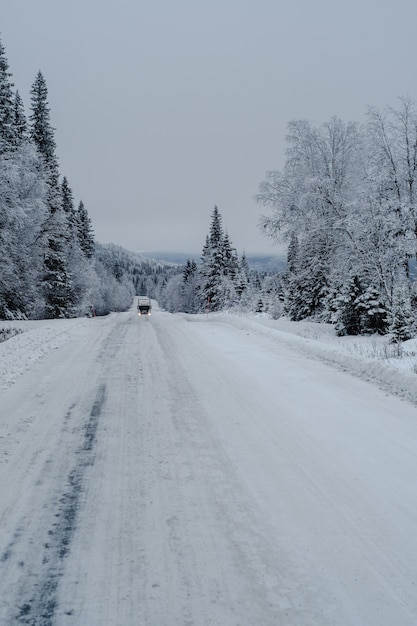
(267, 263)
(258, 262)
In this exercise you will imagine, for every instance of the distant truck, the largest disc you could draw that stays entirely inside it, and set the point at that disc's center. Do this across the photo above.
(144, 306)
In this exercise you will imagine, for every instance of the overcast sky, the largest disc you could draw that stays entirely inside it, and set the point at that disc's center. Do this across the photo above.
(164, 108)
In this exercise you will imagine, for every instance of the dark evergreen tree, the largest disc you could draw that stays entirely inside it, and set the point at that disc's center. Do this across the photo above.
(292, 253)
(403, 323)
(20, 121)
(374, 310)
(7, 119)
(67, 197)
(243, 276)
(68, 208)
(230, 260)
(85, 231)
(308, 282)
(212, 268)
(244, 266)
(41, 131)
(219, 268)
(57, 284)
(347, 312)
(189, 288)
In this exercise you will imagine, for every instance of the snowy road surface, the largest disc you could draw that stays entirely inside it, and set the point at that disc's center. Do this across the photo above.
(178, 471)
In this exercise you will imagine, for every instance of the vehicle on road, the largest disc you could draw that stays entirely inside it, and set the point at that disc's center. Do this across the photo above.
(144, 305)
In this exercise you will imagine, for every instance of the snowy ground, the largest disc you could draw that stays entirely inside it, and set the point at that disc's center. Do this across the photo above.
(190, 470)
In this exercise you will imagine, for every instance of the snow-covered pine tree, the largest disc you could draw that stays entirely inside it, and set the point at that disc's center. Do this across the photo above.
(212, 267)
(230, 259)
(308, 284)
(41, 131)
(20, 121)
(79, 265)
(403, 322)
(7, 120)
(21, 203)
(67, 198)
(243, 277)
(373, 310)
(219, 268)
(57, 284)
(312, 197)
(85, 231)
(346, 312)
(189, 288)
(22, 212)
(292, 253)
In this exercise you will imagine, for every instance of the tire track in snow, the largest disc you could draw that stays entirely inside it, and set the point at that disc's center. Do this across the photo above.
(39, 608)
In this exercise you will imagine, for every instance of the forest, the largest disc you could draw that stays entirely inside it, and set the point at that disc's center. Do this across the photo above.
(344, 203)
(50, 264)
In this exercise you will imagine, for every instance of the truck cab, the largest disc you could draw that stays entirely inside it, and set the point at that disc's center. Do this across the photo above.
(144, 306)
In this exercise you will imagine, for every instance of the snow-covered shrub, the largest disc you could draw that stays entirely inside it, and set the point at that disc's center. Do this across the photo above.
(7, 333)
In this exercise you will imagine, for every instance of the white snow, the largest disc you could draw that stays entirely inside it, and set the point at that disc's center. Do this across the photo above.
(369, 357)
(208, 470)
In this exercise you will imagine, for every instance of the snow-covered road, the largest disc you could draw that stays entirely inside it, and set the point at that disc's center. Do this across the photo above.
(179, 470)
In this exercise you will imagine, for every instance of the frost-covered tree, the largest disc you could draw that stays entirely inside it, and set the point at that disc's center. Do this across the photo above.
(20, 122)
(189, 288)
(22, 196)
(212, 267)
(403, 319)
(218, 268)
(312, 199)
(242, 280)
(346, 203)
(57, 283)
(85, 231)
(7, 121)
(22, 213)
(292, 253)
(344, 307)
(41, 131)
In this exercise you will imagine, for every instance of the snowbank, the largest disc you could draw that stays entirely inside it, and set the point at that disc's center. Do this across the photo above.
(22, 351)
(393, 368)
(372, 358)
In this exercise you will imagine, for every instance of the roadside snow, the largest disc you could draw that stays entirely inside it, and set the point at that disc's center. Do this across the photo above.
(24, 350)
(205, 470)
(371, 358)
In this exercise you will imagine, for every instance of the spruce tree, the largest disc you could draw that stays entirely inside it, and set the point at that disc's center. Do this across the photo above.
(403, 325)
(189, 288)
(292, 253)
(243, 276)
(219, 268)
(7, 125)
(230, 260)
(20, 121)
(57, 284)
(212, 263)
(69, 211)
(85, 231)
(346, 310)
(41, 131)
(373, 310)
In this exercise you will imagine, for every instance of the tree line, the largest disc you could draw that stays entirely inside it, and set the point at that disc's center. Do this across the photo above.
(345, 203)
(220, 280)
(50, 264)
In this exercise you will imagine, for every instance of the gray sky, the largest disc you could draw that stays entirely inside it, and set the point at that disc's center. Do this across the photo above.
(164, 108)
